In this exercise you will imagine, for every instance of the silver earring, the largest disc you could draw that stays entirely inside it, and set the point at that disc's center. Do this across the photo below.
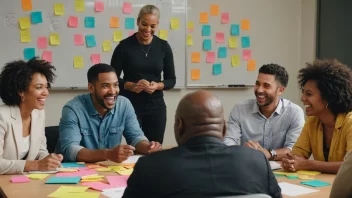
(327, 105)
(22, 98)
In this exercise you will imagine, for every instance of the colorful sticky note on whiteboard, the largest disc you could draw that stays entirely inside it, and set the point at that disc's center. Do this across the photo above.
(59, 9)
(25, 36)
(195, 57)
(217, 69)
(36, 17)
(79, 5)
(127, 8)
(210, 57)
(247, 54)
(206, 30)
(90, 41)
(222, 52)
(195, 74)
(42, 42)
(175, 23)
(114, 22)
(220, 37)
(73, 21)
(107, 46)
(78, 39)
(163, 34)
(28, 53)
(190, 25)
(129, 23)
(214, 10)
(99, 6)
(189, 40)
(251, 65)
(78, 63)
(117, 35)
(245, 24)
(54, 39)
(246, 42)
(235, 29)
(89, 22)
(207, 44)
(24, 23)
(235, 60)
(131, 32)
(47, 56)
(26, 5)
(232, 42)
(203, 17)
(225, 18)
(95, 58)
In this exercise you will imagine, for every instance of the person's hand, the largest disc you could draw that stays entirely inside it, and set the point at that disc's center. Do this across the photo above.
(293, 163)
(151, 88)
(120, 153)
(50, 162)
(255, 145)
(154, 147)
(140, 86)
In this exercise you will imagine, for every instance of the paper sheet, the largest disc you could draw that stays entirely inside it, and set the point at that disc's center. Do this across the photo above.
(189, 40)
(78, 62)
(274, 165)
(100, 186)
(114, 192)
(29, 53)
(294, 190)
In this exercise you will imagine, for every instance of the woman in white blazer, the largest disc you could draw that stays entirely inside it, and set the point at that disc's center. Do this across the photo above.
(24, 88)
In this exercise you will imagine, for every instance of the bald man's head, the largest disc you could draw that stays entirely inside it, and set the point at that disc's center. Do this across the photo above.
(199, 113)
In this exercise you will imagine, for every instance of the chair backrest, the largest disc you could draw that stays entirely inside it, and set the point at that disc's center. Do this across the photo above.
(52, 136)
(247, 196)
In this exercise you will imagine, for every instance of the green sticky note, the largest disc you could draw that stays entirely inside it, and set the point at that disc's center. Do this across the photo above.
(278, 175)
(235, 29)
(63, 180)
(90, 41)
(292, 177)
(222, 52)
(207, 44)
(315, 183)
(28, 53)
(36, 17)
(206, 29)
(246, 42)
(217, 69)
(89, 22)
(129, 23)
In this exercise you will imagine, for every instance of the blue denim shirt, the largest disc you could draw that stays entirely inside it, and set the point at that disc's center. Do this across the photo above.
(81, 126)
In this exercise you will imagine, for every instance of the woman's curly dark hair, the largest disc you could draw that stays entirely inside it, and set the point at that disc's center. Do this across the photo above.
(334, 80)
(16, 76)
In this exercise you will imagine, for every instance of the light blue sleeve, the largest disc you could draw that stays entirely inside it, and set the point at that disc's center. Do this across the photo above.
(233, 129)
(295, 129)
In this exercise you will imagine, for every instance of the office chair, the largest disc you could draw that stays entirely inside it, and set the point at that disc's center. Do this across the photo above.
(52, 136)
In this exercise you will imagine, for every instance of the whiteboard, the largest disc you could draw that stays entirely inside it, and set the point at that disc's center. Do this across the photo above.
(63, 55)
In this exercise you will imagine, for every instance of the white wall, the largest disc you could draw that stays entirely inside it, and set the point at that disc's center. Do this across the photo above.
(305, 53)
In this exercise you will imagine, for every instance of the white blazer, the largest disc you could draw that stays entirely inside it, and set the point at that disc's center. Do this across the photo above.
(11, 143)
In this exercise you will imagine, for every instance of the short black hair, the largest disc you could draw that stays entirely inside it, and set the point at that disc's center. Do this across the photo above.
(276, 70)
(96, 69)
(334, 80)
(16, 76)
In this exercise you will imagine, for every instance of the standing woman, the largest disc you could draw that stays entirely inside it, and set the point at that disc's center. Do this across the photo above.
(143, 57)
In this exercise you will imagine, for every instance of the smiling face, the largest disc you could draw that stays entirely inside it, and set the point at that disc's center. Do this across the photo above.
(311, 97)
(267, 89)
(147, 25)
(35, 96)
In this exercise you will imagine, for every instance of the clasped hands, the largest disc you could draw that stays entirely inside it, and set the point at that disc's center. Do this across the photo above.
(144, 85)
(293, 163)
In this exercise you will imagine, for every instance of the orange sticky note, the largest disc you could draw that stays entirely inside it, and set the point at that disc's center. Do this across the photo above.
(195, 57)
(245, 25)
(214, 10)
(195, 74)
(251, 65)
(26, 5)
(114, 22)
(203, 17)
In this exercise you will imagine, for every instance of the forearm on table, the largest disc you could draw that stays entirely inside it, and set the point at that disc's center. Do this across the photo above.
(87, 155)
(142, 147)
(281, 153)
(31, 165)
(324, 167)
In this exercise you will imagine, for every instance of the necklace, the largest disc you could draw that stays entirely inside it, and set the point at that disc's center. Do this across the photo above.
(146, 53)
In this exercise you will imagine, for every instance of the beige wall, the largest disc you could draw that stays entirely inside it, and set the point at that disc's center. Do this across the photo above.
(305, 53)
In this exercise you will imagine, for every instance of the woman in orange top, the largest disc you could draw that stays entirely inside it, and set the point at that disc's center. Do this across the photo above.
(327, 134)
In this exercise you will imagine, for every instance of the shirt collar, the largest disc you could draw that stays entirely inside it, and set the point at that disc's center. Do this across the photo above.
(277, 110)
(339, 120)
(91, 108)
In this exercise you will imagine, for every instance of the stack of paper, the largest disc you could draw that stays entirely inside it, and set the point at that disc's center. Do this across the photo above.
(294, 190)
(114, 192)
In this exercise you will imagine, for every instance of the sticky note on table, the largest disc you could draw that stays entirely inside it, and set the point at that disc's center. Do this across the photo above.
(99, 6)
(207, 44)
(67, 170)
(220, 37)
(225, 18)
(97, 185)
(93, 177)
(63, 190)
(235, 60)
(206, 29)
(37, 176)
(312, 173)
(59, 9)
(214, 10)
(117, 35)
(78, 63)
(71, 165)
(117, 181)
(29, 53)
(26, 5)
(246, 41)
(24, 23)
(195, 57)
(114, 22)
(95, 58)
(232, 42)
(54, 39)
(107, 46)
(47, 56)
(189, 40)
(163, 34)
(210, 57)
(190, 25)
(251, 67)
(124, 172)
(127, 8)
(73, 21)
(92, 166)
(175, 23)
(245, 24)
(195, 74)
(36, 17)
(63, 180)
(129, 23)
(203, 17)
(42, 42)
(305, 177)
(19, 179)
(78, 39)
(103, 169)
(222, 52)
(247, 54)
(315, 183)
(235, 29)
(79, 5)
(90, 41)
(25, 36)
(217, 70)
(89, 22)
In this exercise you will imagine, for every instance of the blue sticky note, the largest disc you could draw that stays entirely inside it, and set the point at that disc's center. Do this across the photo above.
(129, 23)
(207, 44)
(217, 69)
(235, 29)
(315, 183)
(90, 41)
(206, 30)
(28, 53)
(222, 52)
(89, 22)
(246, 42)
(63, 180)
(71, 165)
(36, 17)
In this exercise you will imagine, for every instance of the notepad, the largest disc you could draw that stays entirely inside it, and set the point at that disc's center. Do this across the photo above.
(63, 180)
(315, 183)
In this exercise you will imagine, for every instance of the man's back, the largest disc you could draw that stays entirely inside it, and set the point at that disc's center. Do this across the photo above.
(203, 167)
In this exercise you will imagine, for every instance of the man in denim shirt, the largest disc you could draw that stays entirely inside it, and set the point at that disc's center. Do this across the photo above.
(92, 125)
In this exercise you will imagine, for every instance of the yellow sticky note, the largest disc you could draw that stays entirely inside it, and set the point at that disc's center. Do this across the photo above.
(232, 42)
(312, 173)
(59, 9)
(93, 166)
(190, 25)
(107, 46)
(195, 74)
(25, 23)
(81, 195)
(114, 22)
(78, 62)
(305, 177)
(93, 177)
(103, 169)
(25, 36)
(235, 61)
(79, 5)
(68, 170)
(92, 180)
(54, 39)
(285, 173)
(203, 17)
(117, 167)
(60, 192)
(117, 35)
(26, 5)
(214, 10)
(245, 24)
(163, 34)
(251, 65)
(125, 172)
(189, 40)
(175, 23)
(195, 57)
(37, 176)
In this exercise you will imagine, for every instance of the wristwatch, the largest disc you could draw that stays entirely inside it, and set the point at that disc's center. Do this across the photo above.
(273, 154)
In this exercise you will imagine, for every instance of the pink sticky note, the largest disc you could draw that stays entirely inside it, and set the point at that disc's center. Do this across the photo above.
(127, 8)
(73, 21)
(131, 32)
(247, 54)
(99, 6)
(220, 37)
(210, 57)
(20, 179)
(117, 181)
(95, 59)
(97, 185)
(47, 56)
(225, 17)
(42, 42)
(83, 169)
(78, 39)
(190, 30)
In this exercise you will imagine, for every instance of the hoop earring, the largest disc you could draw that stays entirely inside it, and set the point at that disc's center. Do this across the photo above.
(327, 105)
(22, 98)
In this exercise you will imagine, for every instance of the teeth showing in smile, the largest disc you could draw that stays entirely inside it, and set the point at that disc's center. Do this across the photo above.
(110, 99)
(261, 96)
(306, 106)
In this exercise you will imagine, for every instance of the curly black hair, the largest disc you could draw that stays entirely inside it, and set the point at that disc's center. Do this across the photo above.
(16, 76)
(276, 70)
(334, 80)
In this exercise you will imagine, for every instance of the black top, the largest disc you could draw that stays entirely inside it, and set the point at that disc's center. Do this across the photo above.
(203, 167)
(326, 149)
(130, 58)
